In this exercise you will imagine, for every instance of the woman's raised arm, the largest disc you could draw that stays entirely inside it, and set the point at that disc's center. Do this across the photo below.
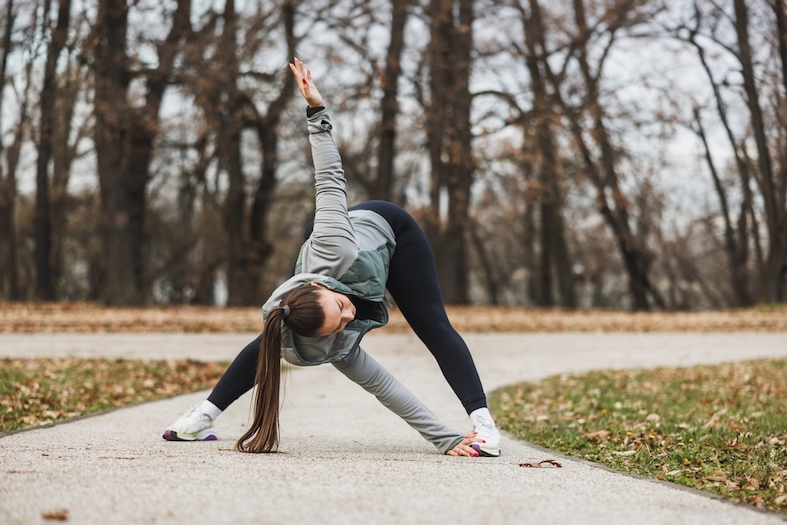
(333, 246)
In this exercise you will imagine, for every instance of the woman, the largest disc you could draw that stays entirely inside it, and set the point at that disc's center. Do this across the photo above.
(335, 296)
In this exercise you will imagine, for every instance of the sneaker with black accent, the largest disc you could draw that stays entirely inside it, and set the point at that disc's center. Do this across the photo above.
(194, 425)
(487, 432)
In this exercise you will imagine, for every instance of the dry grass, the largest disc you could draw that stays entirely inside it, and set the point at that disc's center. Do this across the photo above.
(719, 428)
(35, 392)
(88, 317)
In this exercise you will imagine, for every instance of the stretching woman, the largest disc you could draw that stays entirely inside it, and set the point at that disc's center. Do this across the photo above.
(321, 313)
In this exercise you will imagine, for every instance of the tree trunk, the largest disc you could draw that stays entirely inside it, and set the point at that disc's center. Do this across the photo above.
(45, 289)
(382, 186)
(260, 247)
(736, 254)
(8, 278)
(450, 142)
(546, 286)
(438, 59)
(63, 154)
(124, 138)
(737, 246)
(772, 280)
(634, 257)
(529, 237)
(554, 249)
(492, 281)
(111, 78)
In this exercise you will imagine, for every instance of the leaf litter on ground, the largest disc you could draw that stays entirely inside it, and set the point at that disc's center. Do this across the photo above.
(89, 317)
(36, 392)
(719, 428)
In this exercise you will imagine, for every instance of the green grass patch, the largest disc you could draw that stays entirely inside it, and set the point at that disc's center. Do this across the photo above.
(39, 391)
(721, 428)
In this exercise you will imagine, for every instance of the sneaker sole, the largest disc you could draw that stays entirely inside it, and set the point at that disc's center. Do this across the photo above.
(171, 435)
(488, 453)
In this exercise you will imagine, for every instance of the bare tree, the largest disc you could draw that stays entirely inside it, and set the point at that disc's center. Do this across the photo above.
(73, 82)
(554, 250)
(124, 137)
(45, 289)
(369, 163)
(603, 168)
(772, 183)
(8, 280)
(229, 110)
(736, 242)
(741, 228)
(382, 188)
(449, 141)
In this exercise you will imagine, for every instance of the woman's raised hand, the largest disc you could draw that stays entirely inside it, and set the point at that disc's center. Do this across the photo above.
(305, 84)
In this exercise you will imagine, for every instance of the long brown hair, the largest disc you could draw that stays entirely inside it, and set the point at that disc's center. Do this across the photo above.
(306, 318)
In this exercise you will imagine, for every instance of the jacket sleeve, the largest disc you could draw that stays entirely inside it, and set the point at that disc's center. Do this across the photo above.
(375, 379)
(333, 245)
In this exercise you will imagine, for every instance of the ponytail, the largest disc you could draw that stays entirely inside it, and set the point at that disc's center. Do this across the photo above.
(305, 317)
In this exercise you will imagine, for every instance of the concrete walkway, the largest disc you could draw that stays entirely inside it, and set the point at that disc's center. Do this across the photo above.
(345, 458)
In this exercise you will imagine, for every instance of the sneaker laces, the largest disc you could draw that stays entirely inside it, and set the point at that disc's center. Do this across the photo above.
(480, 424)
(193, 415)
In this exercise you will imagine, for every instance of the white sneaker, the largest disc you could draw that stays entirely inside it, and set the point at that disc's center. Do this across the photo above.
(194, 425)
(489, 435)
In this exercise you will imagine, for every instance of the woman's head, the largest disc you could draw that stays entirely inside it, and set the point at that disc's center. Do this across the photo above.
(314, 310)
(303, 314)
(309, 310)
(337, 310)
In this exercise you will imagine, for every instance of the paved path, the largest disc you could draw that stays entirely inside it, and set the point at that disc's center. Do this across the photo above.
(345, 458)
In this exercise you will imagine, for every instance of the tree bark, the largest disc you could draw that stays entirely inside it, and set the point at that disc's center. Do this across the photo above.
(124, 138)
(268, 134)
(736, 254)
(111, 78)
(450, 142)
(737, 246)
(248, 245)
(438, 60)
(529, 230)
(554, 249)
(772, 280)
(45, 289)
(382, 187)
(492, 281)
(63, 154)
(8, 277)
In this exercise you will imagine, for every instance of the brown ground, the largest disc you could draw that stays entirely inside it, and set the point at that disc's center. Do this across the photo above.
(87, 317)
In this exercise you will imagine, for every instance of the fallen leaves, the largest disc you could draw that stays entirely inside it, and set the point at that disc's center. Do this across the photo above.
(35, 392)
(718, 428)
(89, 317)
(599, 435)
(547, 463)
(56, 515)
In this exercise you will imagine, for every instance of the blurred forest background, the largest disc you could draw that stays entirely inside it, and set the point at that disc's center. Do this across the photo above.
(577, 153)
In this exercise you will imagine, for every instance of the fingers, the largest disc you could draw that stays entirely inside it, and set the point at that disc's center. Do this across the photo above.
(462, 450)
(303, 77)
(298, 69)
(295, 71)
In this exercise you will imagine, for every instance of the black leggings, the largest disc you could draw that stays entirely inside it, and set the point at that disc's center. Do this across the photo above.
(412, 282)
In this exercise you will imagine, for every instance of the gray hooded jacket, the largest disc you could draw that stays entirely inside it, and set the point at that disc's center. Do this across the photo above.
(349, 252)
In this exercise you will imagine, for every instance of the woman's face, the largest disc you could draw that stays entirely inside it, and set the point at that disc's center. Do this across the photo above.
(338, 308)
